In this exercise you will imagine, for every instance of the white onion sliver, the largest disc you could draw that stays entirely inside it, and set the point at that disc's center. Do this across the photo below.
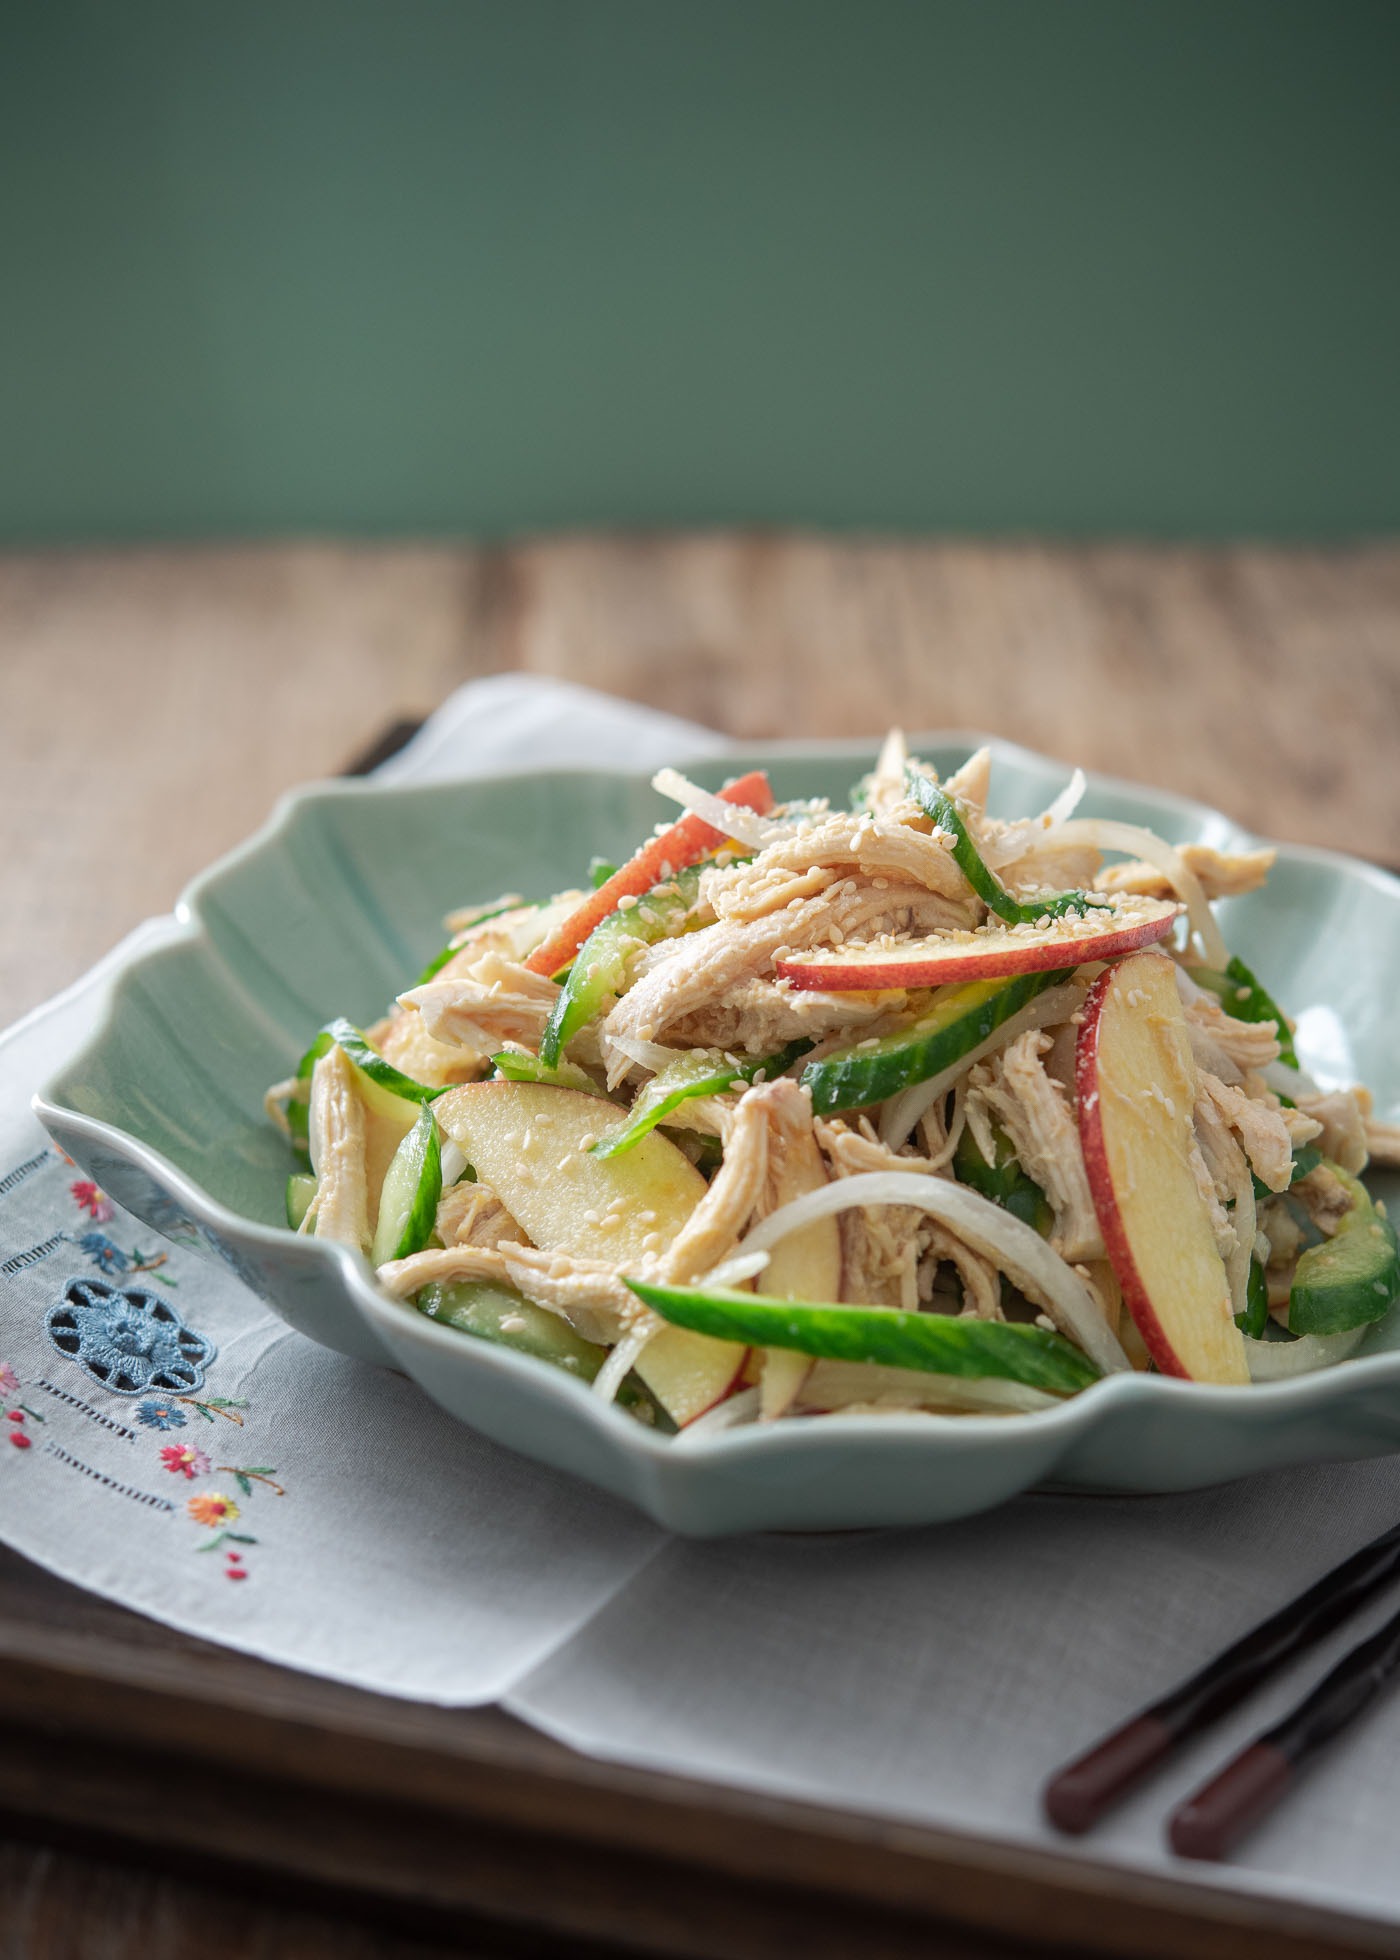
(1280, 1361)
(1066, 803)
(731, 819)
(616, 1368)
(1109, 835)
(904, 1111)
(834, 1385)
(734, 1411)
(1286, 1081)
(1020, 1253)
(646, 1054)
(453, 1159)
(734, 1272)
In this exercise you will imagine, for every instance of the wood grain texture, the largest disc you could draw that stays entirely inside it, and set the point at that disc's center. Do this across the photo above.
(154, 704)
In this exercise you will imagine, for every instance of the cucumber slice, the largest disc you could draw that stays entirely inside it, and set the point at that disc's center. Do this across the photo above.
(1245, 999)
(368, 1060)
(958, 1019)
(301, 1189)
(988, 887)
(1351, 1278)
(1004, 1182)
(599, 973)
(408, 1201)
(1254, 1321)
(701, 1072)
(937, 1343)
(515, 1067)
(500, 1314)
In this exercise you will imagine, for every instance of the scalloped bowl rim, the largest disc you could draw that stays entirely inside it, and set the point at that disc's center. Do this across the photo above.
(1066, 1422)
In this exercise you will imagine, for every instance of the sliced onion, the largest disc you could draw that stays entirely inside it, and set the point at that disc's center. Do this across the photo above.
(1291, 1082)
(734, 1272)
(1025, 833)
(1019, 1252)
(734, 1411)
(454, 1160)
(903, 1112)
(730, 819)
(836, 1385)
(1130, 838)
(1280, 1361)
(646, 1054)
(618, 1365)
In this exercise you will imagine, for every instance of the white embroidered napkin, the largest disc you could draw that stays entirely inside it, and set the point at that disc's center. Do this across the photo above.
(309, 1509)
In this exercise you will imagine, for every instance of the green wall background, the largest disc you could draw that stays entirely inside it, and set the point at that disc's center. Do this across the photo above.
(430, 266)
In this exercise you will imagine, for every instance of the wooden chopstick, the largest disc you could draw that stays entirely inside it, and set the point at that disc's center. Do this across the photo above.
(1213, 1820)
(1080, 1793)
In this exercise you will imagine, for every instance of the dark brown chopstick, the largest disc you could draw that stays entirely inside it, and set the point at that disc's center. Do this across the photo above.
(1217, 1816)
(1079, 1794)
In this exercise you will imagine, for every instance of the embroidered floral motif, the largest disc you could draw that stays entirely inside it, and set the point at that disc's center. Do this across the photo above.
(211, 1507)
(184, 1460)
(129, 1340)
(160, 1415)
(245, 1478)
(208, 1407)
(20, 1415)
(92, 1199)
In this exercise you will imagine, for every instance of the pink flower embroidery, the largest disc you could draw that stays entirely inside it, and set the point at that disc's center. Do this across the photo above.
(9, 1380)
(184, 1460)
(93, 1201)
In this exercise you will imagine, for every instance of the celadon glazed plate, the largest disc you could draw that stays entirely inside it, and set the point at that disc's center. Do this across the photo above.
(336, 905)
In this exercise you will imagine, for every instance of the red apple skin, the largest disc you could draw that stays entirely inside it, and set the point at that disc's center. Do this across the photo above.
(1115, 1237)
(1000, 960)
(1097, 1164)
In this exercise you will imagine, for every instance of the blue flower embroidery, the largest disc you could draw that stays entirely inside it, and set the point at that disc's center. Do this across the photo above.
(107, 1258)
(128, 1339)
(160, 1415)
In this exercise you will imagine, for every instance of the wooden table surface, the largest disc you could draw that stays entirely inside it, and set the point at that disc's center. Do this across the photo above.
(153, 704)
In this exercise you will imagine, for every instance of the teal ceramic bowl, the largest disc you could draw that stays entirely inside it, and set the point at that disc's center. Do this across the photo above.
(337, 904)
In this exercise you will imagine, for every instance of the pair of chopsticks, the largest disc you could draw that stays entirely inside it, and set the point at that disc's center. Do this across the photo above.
(1218, 1815)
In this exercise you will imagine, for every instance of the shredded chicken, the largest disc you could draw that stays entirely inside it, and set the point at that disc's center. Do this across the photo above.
(1223, 874)
(1383, 1142)
(472, 1214)
(405, 1277)
(1260, 1127)
(757, 1017)
(1324, 1198)
(874, 846)
(1040, 1125)
(336, 1129)
(1245, 1045)
(588, 1293)
(405, 1041)
(1343, 1133)
(496, 1000)
(714, 1227)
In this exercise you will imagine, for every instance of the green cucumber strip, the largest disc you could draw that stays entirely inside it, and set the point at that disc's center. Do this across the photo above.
(599, 872)
(599, 972)
(1351, 1278)
(1004, 1182)
(938, 1343)
(409, 1200)
(301, 1189)
(368, 1060)
(516, 1067)
(702, 1072)
(1246, 999)
(958, 1019)
(935, 803)
(500, 1314)
(1255, 1319)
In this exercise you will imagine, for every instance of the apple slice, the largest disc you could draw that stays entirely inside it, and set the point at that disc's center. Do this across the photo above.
(1136, 1084)
(993, 952)
(531, 1143)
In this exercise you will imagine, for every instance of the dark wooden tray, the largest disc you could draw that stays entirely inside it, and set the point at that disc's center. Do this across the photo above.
(113, 1725)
